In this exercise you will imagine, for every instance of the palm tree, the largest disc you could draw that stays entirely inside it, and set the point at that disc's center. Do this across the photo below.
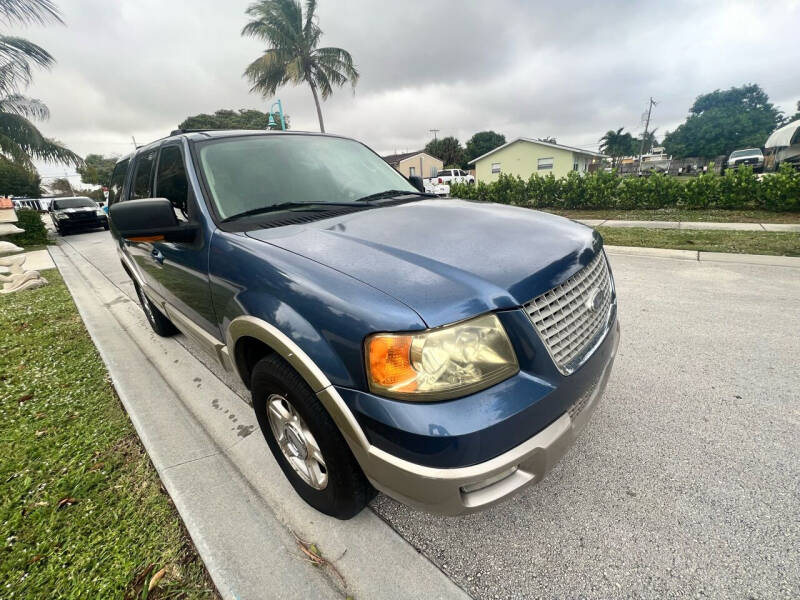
(616, 144)
(293, 56)
(20, 140)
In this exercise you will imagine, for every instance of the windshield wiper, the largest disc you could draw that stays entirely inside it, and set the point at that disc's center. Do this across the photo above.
(390, 194)
(312, 206)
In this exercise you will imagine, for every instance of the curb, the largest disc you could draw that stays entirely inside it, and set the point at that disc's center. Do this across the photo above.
(204, 441)
(699, 256)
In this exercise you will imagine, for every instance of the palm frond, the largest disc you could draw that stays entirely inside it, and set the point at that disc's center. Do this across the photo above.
(17, 56)
(30, 108)
(22, 135)
(267, 72)
(29, 11)
(337, 65)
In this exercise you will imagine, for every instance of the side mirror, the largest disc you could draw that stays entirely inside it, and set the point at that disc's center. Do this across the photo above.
(150, 220)
(417, 182)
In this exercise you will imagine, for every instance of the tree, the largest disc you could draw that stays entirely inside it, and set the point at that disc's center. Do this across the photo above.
(61, 187)
(724, 120)
(244, 118)
(293, 56)
(617, 144)
(650, 140)
(97, 169)
(794, 117)
(481, 143)
(17, 180)
(448, 150)
(20, 140)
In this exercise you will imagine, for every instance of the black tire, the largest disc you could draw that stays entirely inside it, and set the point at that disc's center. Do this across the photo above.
(347, 490)
(159, 323)
(105, 226)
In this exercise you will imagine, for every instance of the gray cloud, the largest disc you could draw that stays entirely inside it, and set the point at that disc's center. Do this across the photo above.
(568, 69)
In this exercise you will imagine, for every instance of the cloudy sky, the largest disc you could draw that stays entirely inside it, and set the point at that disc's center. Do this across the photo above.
(567, 69)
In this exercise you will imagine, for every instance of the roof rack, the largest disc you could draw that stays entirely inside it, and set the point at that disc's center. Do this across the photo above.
(179, 131)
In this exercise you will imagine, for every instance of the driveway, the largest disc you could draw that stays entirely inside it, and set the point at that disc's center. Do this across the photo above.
(687, 480)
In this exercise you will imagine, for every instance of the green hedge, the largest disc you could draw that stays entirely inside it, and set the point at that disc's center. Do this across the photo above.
(35, 231)
(736, 189)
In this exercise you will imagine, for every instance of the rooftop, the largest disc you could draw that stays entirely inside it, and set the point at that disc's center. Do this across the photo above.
(541, 143)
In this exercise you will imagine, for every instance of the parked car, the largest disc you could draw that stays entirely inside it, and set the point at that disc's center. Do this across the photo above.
(76, 213)
(448, 176)
(750, 156)
(444, 352)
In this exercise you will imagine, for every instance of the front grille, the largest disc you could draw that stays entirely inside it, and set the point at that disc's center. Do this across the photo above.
(567, 319)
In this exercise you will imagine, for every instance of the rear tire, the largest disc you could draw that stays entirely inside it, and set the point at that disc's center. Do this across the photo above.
(158, 322)
(305, 441)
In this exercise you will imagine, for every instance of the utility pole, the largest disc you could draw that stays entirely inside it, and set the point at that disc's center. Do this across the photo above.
(646, 126)
(135, 147)
(434, 132)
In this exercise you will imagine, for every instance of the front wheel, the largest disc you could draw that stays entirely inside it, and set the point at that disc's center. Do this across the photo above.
(159, 323)
(305, 441)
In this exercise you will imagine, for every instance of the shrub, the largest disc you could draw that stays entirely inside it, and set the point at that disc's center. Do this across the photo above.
(35, 231)
(781, 190)
(739, 188)
(701, 191)
(736, 189)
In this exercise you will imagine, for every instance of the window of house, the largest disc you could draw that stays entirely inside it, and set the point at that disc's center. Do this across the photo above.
(574, 166)
(171, 182)
(412, 171)
(143, 179)
(433, 171)
(545, 164)
(117, 181)
(495, 167)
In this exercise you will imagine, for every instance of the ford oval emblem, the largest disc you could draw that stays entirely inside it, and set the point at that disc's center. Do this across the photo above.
(595, 300)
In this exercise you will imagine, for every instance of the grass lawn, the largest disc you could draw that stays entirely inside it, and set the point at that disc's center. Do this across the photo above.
(738, 242)
(679, 214)
(82, 511)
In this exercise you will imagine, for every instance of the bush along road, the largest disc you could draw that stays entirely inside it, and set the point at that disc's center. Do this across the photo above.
(739, 189)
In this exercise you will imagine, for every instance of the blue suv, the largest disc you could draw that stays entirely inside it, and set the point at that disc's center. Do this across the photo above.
(444, 352)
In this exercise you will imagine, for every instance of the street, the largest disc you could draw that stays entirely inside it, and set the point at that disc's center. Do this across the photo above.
(686, 481)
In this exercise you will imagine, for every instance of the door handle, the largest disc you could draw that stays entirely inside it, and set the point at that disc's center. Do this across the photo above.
(157, 256)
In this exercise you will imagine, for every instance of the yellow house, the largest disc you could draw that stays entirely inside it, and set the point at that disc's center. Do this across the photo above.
(524, 157)
(415, 163)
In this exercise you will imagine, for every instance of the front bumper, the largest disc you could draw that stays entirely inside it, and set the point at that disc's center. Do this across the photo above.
(453, 491)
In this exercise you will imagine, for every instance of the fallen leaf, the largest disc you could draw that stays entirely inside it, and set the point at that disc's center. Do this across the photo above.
(35, 558)
(156, 578)
(40, 415)
(41, 433)
(41, 504)
(97, 466)
(137, 584)
(24, 398)
(67, 502)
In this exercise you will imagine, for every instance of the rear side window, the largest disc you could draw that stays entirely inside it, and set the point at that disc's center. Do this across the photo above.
(143, 177)
(117, 181)
(171, 182)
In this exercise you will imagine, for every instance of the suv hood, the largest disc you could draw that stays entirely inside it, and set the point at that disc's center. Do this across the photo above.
(446, 259)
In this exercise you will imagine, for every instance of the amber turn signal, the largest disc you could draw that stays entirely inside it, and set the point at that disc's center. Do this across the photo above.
(390, 362)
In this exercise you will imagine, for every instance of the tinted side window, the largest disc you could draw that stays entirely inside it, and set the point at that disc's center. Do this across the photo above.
(143, 178)
(171, 182)
(117, 181)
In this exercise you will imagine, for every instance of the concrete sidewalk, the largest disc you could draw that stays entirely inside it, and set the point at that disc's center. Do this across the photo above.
(694, 225)
(239, 509)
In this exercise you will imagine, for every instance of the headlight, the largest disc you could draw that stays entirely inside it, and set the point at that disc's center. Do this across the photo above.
(440, 363)
(61, 216)
(99, 212)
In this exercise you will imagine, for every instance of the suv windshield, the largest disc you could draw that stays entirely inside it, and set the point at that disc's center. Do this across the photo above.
(72, 203)
(749, 152)
(248, 174)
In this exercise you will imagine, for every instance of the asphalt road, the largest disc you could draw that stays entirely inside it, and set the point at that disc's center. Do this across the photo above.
(686, 481)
